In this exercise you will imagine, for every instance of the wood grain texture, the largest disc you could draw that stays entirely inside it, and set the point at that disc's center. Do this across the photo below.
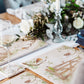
(12, 18)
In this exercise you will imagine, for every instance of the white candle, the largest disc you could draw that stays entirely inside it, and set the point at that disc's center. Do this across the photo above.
(57, 5)
(63, 3)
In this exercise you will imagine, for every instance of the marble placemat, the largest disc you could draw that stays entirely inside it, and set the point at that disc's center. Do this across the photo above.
(56, 57)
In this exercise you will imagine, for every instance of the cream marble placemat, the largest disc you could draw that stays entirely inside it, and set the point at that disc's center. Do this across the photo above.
(55, 57)
(22, 48)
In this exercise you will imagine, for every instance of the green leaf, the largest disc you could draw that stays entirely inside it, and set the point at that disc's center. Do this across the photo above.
(68, 4)
(42, 38)
(66, 8)
(53, 0)
(63, 12)
(17, 35)
(17, 39)
(63, 15)
(76, 10)
(76, 5)
(73, 1)
(50, 68)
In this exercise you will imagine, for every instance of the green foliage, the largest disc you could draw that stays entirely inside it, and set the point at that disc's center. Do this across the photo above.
(70, 8)
(17, 35)
(39, 30)
(68, 11)
(51, 17)
(53, 0)
(73, 1)
(52, 69)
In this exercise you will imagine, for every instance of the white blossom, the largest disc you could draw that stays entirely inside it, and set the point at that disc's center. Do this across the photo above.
(26, 25)
(53, 6)
(75, 14)
(78, 23)
(79, 2)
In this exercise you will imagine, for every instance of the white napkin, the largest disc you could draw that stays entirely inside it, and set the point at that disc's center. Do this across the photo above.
(26, 11)
(18, 12)
(10, 11)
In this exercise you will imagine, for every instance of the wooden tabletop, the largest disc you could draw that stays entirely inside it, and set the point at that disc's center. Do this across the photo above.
(12, 18)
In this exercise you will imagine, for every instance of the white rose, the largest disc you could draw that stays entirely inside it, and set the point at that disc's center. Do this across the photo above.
(26, 25)
(31, 23)
(52, 6)
(80, 3)
(78, 23)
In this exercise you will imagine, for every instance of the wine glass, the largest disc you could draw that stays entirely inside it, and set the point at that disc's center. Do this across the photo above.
(6, 39)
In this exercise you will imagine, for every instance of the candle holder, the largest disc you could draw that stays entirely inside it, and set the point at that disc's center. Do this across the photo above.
(54, 33)
(58, 28)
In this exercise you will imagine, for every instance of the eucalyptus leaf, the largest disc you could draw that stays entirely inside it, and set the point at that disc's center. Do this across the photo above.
(52, 69)
(17, 39)
(17, 35)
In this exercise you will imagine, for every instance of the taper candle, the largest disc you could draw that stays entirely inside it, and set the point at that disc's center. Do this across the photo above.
(57, 5)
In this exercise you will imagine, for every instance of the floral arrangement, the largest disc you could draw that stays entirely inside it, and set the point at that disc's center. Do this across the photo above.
(35, 27)
(72, 19)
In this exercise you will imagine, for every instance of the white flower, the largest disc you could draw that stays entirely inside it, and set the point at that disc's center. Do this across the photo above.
(80, 13)
(83, 17)
(26, 25)
(52, 6)
(78, 23)
(75, 14)
(30, 21)
(66, 17)
(79, 2)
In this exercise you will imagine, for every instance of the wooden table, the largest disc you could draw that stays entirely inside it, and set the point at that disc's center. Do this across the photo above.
(12, 18)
